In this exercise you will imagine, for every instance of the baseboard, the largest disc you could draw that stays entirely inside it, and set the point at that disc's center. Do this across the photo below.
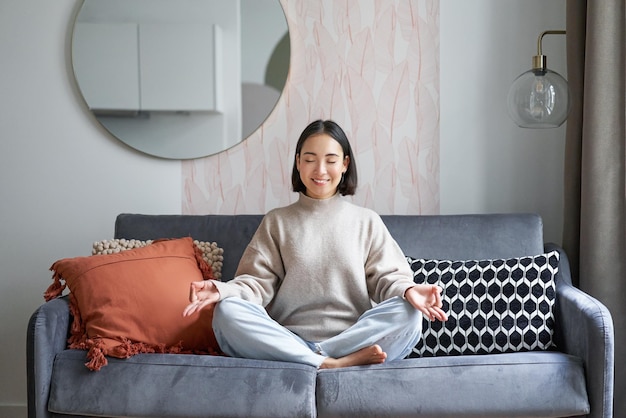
(13, 411)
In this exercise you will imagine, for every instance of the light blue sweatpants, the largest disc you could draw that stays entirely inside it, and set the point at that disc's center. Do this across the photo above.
(245, 330)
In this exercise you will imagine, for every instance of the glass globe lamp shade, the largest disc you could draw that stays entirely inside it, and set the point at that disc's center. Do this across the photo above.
(539, 98)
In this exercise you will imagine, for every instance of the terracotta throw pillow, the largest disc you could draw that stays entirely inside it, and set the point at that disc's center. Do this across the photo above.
(132, 302)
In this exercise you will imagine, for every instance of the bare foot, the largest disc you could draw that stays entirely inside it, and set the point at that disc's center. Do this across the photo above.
(368, 355)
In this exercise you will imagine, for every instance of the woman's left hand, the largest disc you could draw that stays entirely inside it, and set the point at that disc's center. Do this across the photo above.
(427, 298)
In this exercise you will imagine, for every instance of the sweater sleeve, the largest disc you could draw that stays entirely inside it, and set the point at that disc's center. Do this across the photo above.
(387, 271)
(260, 270)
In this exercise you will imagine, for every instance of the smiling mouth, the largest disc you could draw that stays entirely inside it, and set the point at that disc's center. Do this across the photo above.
(320, 182)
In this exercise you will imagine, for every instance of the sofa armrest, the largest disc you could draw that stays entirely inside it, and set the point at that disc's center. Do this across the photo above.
(584, 328)
(47, 335)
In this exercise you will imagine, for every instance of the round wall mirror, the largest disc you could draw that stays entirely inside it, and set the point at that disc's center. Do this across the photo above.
(180, 79)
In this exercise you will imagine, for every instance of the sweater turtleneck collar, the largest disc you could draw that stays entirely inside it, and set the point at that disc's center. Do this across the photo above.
(319, 205)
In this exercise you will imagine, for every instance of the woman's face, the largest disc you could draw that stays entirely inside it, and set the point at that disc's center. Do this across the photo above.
(321, 164)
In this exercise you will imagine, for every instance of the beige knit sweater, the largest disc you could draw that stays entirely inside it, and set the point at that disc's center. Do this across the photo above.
(316, 265)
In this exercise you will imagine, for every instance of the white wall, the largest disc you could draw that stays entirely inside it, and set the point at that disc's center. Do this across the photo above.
(488, 164)
(63, 178)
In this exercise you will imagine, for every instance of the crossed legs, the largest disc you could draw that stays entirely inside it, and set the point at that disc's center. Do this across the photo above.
(386, 332)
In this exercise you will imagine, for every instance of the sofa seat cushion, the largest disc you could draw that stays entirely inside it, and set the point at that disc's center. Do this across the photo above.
(533, 384)
(181, 385)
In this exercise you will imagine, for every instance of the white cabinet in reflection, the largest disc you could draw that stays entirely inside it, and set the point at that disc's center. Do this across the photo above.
(106, 65)
(178, 66)
(148, 67)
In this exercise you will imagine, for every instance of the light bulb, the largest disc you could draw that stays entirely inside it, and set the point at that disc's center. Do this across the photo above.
(541, 98)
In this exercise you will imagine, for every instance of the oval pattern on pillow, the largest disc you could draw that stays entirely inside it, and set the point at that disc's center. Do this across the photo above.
(493, 306)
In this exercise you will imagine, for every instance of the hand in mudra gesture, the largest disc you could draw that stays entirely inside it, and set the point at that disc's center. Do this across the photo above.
(427, 299)
(201, 294)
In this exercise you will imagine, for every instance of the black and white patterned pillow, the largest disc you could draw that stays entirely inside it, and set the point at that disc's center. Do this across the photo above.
(493, 306)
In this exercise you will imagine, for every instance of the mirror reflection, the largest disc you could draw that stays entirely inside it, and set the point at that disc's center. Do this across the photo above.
(180, 78)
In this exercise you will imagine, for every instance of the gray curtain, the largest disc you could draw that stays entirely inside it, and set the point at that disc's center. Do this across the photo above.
(595, 187)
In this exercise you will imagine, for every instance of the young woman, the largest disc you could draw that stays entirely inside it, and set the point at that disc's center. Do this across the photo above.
(304, 287)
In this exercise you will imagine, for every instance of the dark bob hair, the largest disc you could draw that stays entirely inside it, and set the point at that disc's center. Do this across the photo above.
(348, 183)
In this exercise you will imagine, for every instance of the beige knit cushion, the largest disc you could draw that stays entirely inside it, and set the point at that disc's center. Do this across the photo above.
(211, 253)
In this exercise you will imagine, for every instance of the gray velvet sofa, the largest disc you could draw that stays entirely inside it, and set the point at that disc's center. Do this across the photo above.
(575, 378)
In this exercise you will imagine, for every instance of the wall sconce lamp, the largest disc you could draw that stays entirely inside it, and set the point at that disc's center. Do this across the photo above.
(539, 98)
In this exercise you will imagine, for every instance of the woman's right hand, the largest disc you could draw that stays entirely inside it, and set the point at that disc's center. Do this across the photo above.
(201, 294)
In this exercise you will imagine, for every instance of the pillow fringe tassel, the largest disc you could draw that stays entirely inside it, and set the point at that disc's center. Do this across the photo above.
(78, 331)
(56, 288)
(97, 352)
(207, 271)
(95, 355)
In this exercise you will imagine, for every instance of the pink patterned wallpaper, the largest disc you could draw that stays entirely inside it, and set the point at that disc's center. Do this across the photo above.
(373, 67)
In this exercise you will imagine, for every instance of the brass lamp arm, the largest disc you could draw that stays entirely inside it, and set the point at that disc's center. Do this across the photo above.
(539, 60)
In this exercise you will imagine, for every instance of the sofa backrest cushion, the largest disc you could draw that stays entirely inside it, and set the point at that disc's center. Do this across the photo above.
(467, 237)
(450, 237)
